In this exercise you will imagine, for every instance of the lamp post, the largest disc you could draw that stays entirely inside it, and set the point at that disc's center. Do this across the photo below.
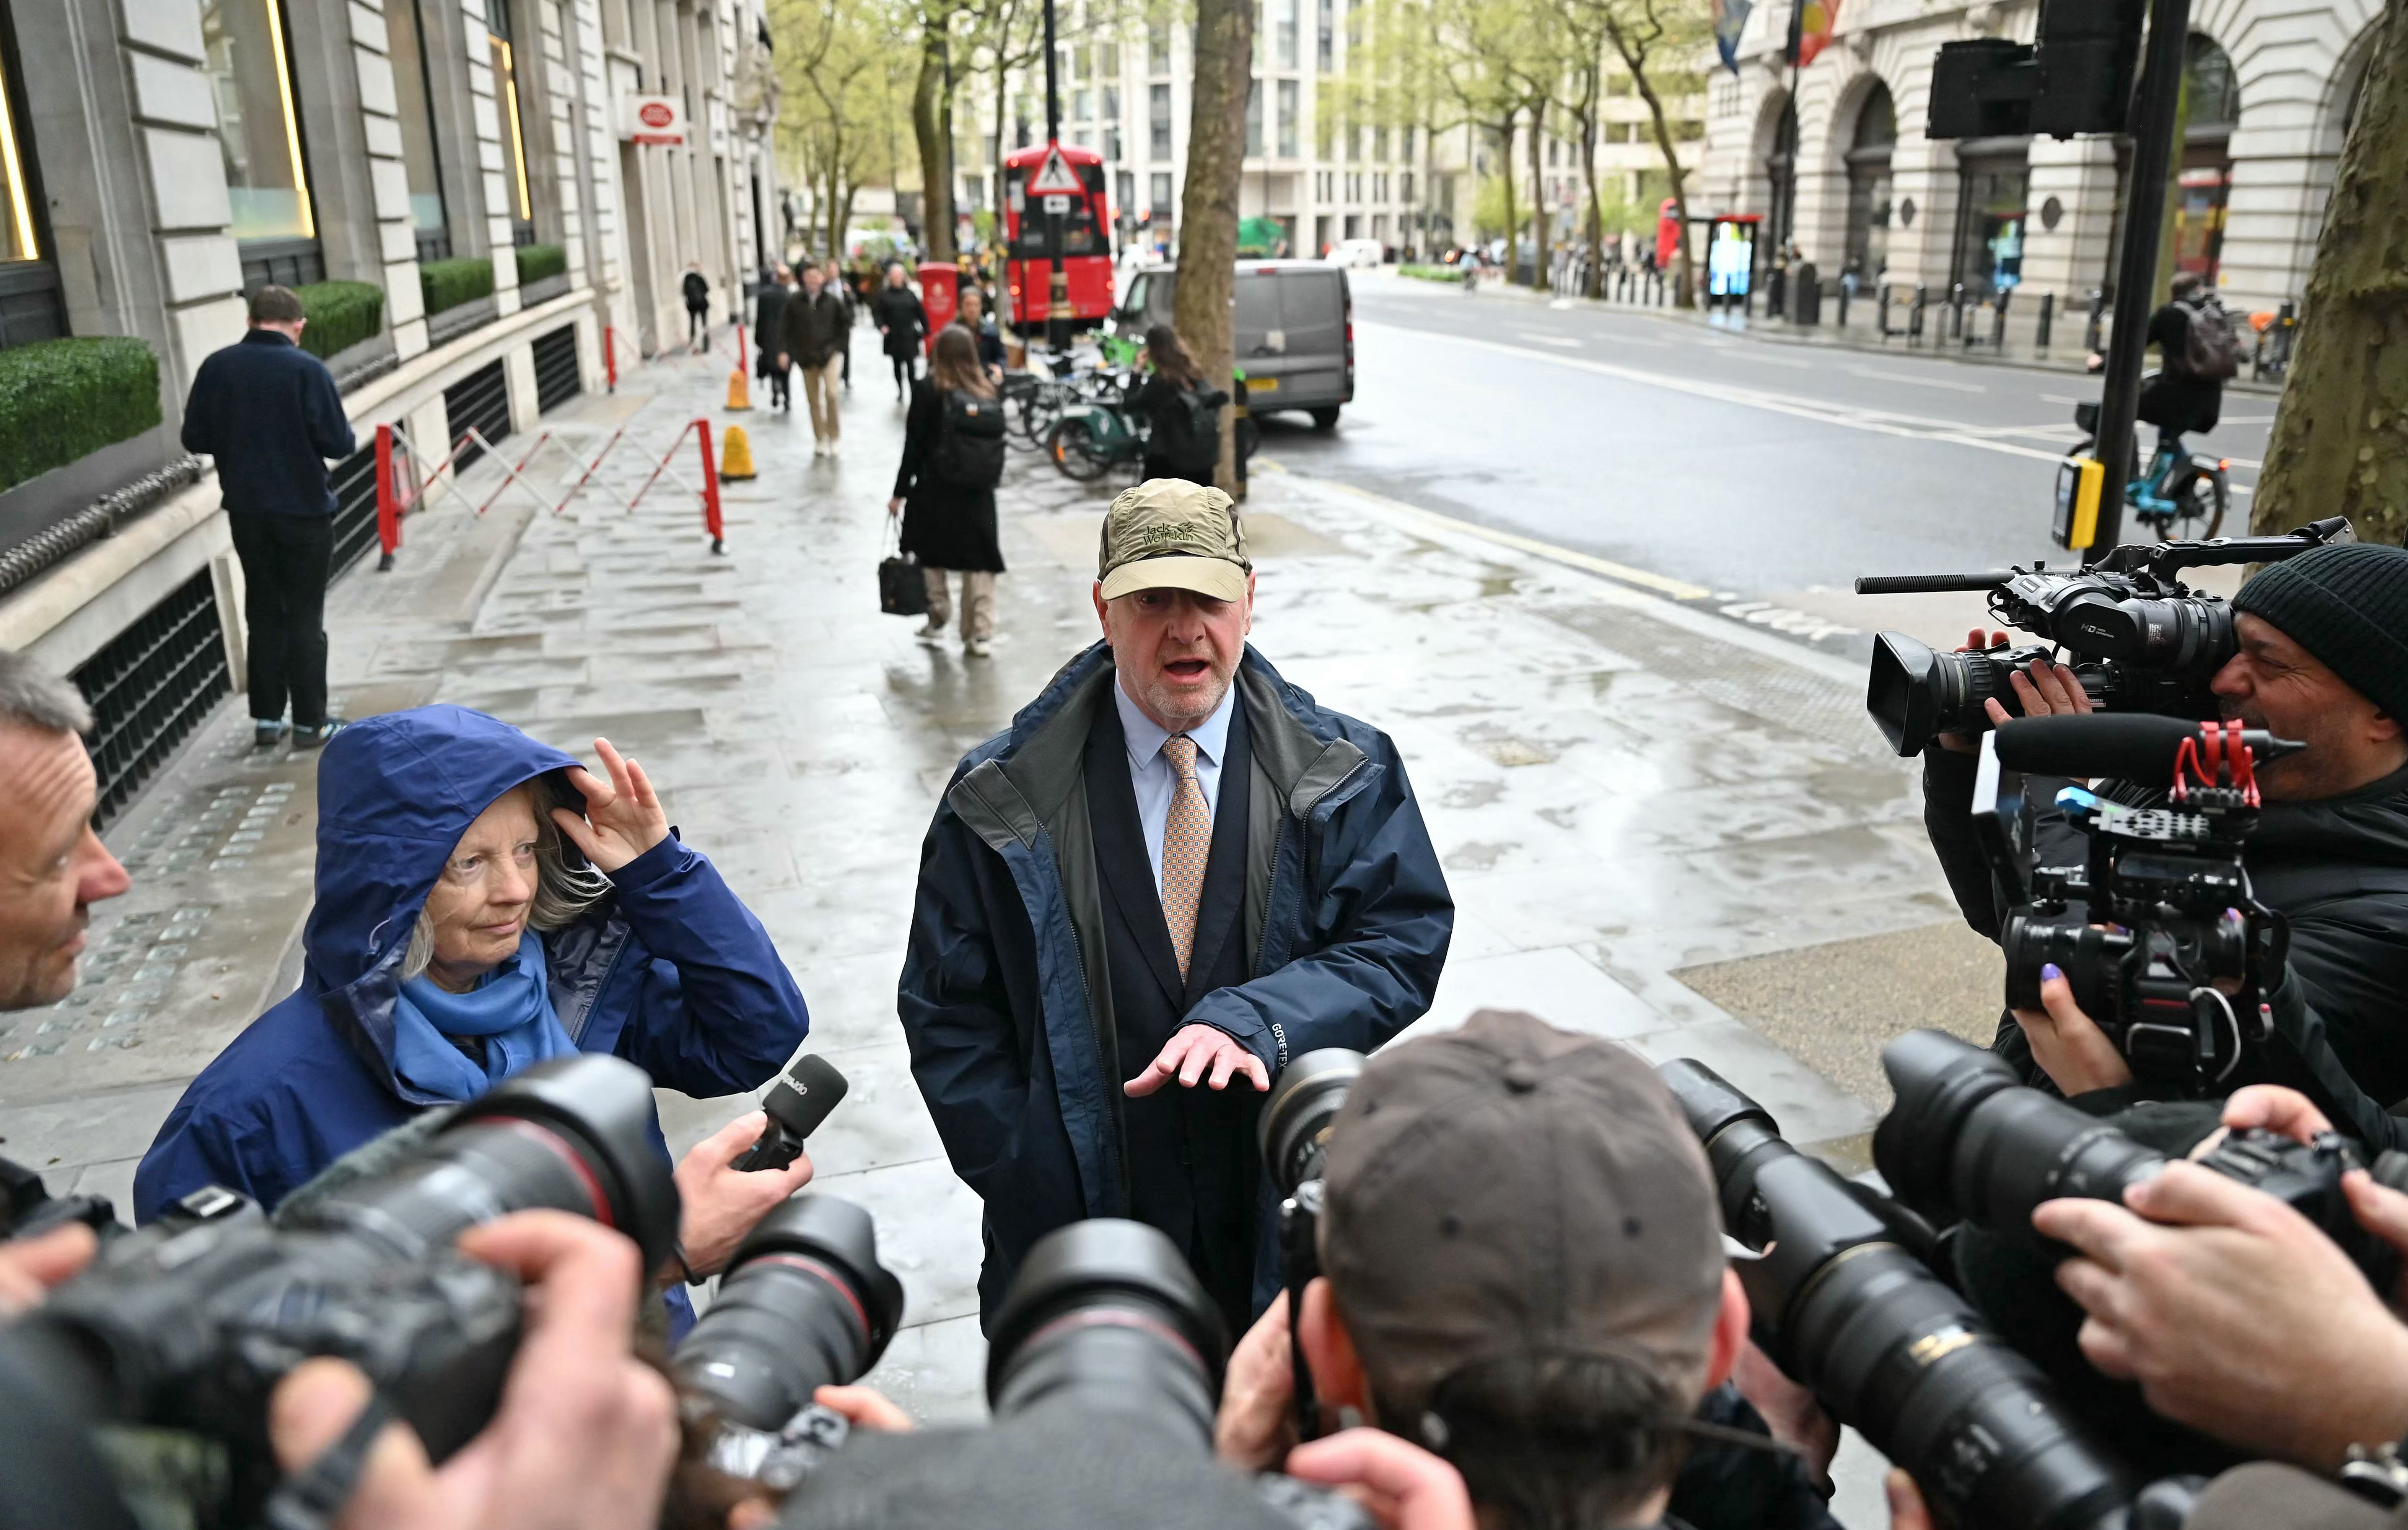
(1057, 278)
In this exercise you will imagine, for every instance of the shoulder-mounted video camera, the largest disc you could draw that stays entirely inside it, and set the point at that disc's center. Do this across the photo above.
(2137, 637)
(2157, 929)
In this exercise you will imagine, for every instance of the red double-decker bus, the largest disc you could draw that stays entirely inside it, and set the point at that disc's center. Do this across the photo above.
(1086, 239)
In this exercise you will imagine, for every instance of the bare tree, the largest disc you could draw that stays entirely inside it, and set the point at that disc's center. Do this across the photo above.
(2339, 443)
(1202, 304)
(1645, 35)
(932, 126)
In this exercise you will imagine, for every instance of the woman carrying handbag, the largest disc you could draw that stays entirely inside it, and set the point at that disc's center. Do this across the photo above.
(944, 491)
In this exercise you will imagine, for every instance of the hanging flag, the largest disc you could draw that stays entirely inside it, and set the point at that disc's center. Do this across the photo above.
(1731, 19)
(1815, 22)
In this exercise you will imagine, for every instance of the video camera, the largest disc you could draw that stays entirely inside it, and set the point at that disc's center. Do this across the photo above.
(187, 1326)
(2158, 932)
(2136, 636)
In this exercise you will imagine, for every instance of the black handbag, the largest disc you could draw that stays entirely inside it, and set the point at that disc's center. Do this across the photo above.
(901, 588)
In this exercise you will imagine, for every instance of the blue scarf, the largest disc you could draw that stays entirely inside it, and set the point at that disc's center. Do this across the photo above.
(510, 1008)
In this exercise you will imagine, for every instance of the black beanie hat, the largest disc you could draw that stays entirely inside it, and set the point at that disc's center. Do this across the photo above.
(2349, 605)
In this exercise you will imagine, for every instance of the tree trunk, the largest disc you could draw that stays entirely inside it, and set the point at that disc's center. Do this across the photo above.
(2340, 444)
(1593, 226)
(1512, 208)
(1538, 201)
(928, 119)
(1685, 276)
(1202, 304)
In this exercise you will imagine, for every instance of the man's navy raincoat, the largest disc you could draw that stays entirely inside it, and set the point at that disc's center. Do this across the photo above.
(669, 970)
(1005, 998)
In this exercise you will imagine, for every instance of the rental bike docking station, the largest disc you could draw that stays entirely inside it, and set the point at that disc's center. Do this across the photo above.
(565, 460)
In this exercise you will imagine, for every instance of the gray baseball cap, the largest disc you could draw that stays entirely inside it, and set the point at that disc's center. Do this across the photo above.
(1511, 1189)
(1168, 534)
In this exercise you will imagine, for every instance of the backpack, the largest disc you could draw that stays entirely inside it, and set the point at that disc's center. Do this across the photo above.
(970, 441)
(2209, 348)
(1188, 432)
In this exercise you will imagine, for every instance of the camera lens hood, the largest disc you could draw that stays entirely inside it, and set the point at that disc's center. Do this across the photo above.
(1938, 1079)
(843, 1236)
(1106, 1263)
(1311, 1090)
(601, 1110)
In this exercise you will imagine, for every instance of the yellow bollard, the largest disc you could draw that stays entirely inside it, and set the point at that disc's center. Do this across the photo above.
(739, 392)
(736, 456)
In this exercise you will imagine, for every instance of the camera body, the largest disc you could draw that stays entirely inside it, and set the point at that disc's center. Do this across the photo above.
(2157, 929)
(2135, 635)
(1294, 1136)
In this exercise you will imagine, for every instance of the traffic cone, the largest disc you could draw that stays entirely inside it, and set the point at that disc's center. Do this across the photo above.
(736, 454)
(739, 392)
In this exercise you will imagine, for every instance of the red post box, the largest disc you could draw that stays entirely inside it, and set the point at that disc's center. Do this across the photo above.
(940, 294)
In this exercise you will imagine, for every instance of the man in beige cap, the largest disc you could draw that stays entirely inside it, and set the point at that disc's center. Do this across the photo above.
(1171, 875)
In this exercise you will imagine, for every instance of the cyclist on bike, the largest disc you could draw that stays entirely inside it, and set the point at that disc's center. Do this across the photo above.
(2186, 396)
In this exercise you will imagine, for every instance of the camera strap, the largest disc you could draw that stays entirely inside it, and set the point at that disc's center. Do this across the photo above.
(310, 1498)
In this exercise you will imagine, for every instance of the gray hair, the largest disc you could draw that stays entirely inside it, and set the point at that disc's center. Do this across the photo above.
(562, 892)
(33, 698)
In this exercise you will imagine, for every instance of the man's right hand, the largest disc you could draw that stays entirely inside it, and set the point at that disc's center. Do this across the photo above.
(585, 1434)
(1258, 1422)
(2043, 689)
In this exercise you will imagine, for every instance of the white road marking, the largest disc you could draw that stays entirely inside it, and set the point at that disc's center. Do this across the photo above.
(1547, 339)
(1918, 381)
(1662, 583)
(1878, 422)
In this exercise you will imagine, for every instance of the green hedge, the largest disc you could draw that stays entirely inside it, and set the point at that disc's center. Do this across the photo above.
(539, 261)
(1432, 272)
(450, 284)
(64, 399)
(341, 315)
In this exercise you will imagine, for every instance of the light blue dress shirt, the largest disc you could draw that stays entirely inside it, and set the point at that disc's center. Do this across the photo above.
(1156, 782)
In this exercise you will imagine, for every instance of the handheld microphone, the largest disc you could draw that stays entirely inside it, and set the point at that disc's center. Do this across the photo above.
(797, 1104)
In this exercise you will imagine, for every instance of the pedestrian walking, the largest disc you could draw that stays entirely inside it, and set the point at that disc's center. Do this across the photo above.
(972, 317)
(902, 322)
(813, 333)
(1172, 876)
(268, 413)
(773, 365)
(698, 305)
(844, 289)
(1183, 420)
(944, 490)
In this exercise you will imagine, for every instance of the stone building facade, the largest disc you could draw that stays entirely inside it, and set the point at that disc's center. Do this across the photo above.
(158, 158)
(1848, 175)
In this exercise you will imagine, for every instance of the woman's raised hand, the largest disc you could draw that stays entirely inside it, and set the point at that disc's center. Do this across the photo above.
(623, 817)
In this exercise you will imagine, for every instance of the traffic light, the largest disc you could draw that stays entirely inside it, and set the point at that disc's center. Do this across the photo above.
(2076, 77)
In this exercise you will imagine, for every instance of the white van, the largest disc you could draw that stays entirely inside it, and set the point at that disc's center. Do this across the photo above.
(1292, 325)
(1359, 255)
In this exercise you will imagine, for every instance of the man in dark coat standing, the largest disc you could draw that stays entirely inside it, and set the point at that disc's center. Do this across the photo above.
(1172, 876)
(268, 412)
(768, 308)
(902, 322)
(698, 305)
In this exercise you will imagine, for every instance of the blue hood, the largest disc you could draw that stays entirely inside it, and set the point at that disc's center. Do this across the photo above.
(395, 793)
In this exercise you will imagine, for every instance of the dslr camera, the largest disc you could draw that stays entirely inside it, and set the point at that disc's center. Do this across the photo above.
(2137, 637)
(2157, 929)
(1293, 1132)
(185, 1327)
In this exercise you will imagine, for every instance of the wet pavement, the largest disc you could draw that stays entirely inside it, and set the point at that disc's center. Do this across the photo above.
(1660, 825)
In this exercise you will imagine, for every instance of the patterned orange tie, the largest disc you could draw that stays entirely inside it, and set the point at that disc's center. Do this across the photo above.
(1186, 845)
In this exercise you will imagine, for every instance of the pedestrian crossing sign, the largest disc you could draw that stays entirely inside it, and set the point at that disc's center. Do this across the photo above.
(1054, 176)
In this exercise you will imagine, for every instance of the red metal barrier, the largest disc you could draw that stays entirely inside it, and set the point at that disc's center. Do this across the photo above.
(611, 356)
(710, 489)
(388, 500)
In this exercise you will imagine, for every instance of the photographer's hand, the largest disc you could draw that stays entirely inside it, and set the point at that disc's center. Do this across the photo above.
(29, 1268)
(585, 1432)
(1976, 641)
(1790, 1410)
(1258, 1422)
(1404, 1486)
(2069, 1046)
(2274, 1109)
(2235, 1315)
(722, 1204)
(2043, 690)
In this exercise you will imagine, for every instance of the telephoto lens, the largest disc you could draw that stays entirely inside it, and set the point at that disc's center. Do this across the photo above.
(188, 1324)
(1968, 1141)
(1887, 1346)
(1293, 1132)
(1105, 1313)
(804, 1304)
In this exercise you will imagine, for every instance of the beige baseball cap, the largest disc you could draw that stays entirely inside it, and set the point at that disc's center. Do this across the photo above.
(1168, 534)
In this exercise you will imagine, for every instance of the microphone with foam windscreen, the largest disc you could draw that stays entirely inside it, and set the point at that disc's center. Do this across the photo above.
(2135, 747)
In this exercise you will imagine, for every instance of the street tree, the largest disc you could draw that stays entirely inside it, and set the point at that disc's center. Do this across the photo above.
(2339, 443)
(932, 124)
(1658, 42)
(1203, 303)
(843, 91)
(1493, 67)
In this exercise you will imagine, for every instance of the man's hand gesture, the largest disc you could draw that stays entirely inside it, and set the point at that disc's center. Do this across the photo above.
(1197, 1051)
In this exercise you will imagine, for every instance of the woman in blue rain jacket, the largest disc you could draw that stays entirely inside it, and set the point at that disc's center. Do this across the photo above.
(460, 933)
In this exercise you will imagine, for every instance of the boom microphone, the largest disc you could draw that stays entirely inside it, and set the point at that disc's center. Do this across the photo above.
(2129, 746)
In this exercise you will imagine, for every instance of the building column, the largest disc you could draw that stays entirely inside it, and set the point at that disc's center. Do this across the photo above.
(2068, 259)
(190, 211)
(492, 158)
(405, 302)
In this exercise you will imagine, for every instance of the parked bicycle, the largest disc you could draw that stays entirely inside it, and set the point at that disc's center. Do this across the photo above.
(2181, 497)
(1096, 435)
